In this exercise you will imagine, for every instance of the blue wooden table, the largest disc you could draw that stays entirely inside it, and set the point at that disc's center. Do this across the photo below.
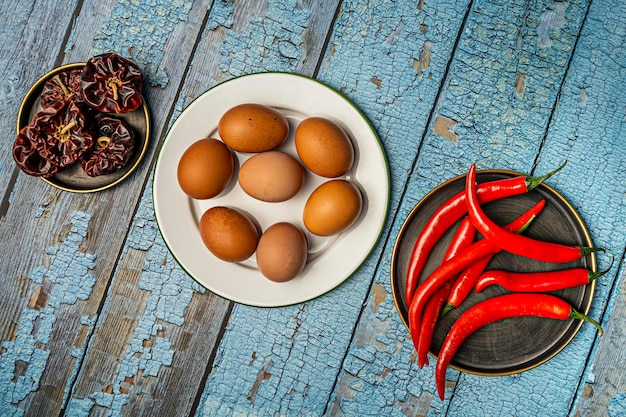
(98, 319)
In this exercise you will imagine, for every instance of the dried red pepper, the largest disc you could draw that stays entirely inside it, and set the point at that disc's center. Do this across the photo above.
(61, 135)
(499, 308)
(27, 158)
(453, 209)
(111, 83)
(113, 147)
(62, 87)
(518, 244)
(462, 238)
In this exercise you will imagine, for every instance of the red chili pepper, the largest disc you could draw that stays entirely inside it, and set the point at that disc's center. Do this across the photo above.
(446, 272)
(517, 244)
(538, 281)
(466, 280)
(455, 208)
(499, 308)
(463, 237)
(464, 284)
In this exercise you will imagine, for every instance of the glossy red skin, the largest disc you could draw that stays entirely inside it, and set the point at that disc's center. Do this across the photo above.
(466, 280)
(492, 310)
(464, 284)
(534, 281)
(511, 242)
(448, 214)
(446, 271)
(463, 237)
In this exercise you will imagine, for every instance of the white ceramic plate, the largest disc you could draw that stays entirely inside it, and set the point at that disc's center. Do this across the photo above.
(331, 260)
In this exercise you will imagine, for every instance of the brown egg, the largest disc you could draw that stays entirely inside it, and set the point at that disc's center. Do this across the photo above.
(253, 128)
(205, 169)
(271, 176)
(332, 208)
(323, 147)
(282, 252)
(229, 234)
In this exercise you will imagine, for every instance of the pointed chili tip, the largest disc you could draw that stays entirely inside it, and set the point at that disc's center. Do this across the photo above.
(534, 182)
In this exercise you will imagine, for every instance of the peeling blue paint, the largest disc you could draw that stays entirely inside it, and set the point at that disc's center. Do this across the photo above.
(170, 290)
(78, 353)
(144, 27)
(617, 405)
(221, 15)
(70, 281)
(273, 42)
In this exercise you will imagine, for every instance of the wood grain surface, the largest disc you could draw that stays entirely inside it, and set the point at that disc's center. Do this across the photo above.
(98, 319)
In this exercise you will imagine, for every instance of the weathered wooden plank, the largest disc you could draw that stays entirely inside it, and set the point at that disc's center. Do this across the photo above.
(589, 123)
(29, 47)
(587, 128)
(188, 337)
(496, 106)
(40, 252)
(286, 360)
(126, 365)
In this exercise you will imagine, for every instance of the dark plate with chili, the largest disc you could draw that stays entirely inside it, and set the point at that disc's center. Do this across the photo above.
(73, 178)
(512, 345)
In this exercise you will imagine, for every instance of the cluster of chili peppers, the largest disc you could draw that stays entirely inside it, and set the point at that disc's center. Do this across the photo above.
(77, 122)
(463, 269)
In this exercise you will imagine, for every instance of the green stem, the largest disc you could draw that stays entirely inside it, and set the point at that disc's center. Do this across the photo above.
(533, 182)
(584, 250)
(525, 226)
(446, 308)
(594, 275)
(574, 314)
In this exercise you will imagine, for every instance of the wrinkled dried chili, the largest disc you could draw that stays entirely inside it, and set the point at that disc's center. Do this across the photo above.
(27, 158)
(62, 87)
(113, 147)
(111, 83)
(61, 135)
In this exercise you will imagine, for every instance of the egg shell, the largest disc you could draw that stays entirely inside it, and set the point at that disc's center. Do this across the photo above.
(205, 169)
(252, 128)
(324, 147)
(271, 176)
(282, 252)
(228, 233)
(332, 207)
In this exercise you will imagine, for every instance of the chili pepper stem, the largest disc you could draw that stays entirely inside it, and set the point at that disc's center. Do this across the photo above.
(62, 133)
(575, 314)
(113, 84)
(589, 250)
(594, 275)
(67, 127)
(447, 307)
(66, 92)
(533, 182)
(103, 141)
